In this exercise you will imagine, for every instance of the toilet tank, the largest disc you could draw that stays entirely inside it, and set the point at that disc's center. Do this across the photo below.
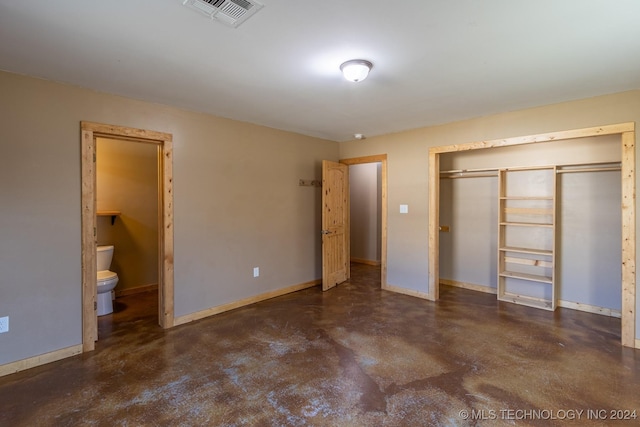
(104, 256)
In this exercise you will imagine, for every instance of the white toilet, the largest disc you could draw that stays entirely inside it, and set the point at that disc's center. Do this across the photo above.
(107, 280)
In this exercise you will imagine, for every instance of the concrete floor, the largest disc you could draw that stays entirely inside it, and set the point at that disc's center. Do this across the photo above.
(354, 356)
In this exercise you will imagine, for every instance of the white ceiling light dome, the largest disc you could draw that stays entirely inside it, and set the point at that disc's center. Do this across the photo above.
(356, 70)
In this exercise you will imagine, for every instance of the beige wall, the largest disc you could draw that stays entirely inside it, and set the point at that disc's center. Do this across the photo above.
(237, 204)
(408, 166)
(127, 181)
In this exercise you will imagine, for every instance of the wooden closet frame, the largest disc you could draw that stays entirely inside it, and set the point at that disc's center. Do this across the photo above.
(628, 183)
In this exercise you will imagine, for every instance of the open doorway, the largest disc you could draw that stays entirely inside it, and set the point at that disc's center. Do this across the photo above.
(127, 183)
(374, 250)
(90, 133)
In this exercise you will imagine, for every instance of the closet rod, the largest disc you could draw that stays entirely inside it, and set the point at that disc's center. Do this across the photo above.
(490, 172)
(615, 168)
(475, 175)
(469, 173)
(568, 165)
(471, 170)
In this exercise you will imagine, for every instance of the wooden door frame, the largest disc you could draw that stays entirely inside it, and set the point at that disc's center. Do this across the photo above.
(90, 131)
(379, 158)
(628, 183)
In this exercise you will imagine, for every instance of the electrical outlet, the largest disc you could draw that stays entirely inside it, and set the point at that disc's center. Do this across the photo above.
(256, 271)
(4, 324)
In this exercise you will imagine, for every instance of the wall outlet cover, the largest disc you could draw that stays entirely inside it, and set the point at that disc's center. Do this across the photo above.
(4, 324)
(404, 209)
(256, 271)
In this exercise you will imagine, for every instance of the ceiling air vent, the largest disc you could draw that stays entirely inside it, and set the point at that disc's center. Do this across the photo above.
(230, 12)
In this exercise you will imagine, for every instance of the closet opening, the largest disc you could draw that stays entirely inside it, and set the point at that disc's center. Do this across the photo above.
(586, 172)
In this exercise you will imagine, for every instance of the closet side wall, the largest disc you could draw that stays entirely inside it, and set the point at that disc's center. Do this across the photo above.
(469, 207)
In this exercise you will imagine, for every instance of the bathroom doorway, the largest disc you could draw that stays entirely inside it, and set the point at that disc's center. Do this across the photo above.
(127, 217)
(162, 143)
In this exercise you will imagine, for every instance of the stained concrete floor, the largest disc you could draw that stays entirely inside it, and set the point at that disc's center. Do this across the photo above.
(354, 356)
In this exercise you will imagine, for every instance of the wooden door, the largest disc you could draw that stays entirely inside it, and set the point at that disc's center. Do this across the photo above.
(335, 224)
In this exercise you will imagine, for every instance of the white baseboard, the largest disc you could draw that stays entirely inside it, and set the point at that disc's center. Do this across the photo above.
(42, 359)
(560, 303)
(241, 303)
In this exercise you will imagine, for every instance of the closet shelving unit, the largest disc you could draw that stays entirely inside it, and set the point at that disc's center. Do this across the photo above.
(526, 236)
(527, 228)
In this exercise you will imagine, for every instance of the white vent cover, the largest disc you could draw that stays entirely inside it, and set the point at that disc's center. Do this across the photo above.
(230, 12)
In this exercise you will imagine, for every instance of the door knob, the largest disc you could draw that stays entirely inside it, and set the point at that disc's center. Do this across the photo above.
(325, 232)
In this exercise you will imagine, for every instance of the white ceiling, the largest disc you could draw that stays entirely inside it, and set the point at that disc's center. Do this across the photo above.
(435, 61)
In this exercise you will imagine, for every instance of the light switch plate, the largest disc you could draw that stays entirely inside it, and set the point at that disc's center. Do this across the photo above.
(404, 208)
(4, 324)
(256, 271)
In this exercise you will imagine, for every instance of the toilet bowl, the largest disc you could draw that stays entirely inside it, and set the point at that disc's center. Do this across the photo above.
(106, 280)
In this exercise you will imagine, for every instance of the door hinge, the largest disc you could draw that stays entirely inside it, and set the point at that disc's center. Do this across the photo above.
(95, 306)
(94, 232)
(94, 157)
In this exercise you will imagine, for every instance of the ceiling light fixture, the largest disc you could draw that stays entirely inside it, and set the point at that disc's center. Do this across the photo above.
(356, 70)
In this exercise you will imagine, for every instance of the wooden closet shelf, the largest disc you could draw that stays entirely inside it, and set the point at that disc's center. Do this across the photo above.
(525, 276)
(528, 224)
(528, 211)
(526, 198)
(528, 301)
(527, 250)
